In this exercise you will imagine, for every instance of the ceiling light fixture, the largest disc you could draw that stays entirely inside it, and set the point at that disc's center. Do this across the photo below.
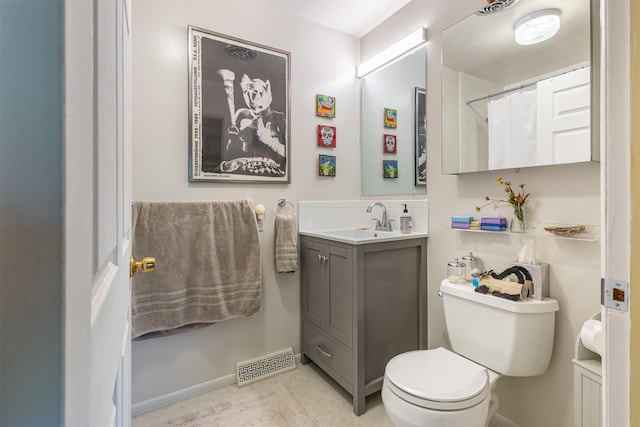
(407, 45)
(537, 26)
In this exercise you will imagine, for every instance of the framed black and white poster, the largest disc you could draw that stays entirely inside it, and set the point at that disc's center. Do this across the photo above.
(238, 110)
(420, 136)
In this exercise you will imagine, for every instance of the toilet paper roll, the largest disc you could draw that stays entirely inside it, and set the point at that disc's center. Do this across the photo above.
(591, 335)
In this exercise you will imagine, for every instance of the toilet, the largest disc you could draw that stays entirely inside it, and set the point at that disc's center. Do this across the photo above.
(490, 337)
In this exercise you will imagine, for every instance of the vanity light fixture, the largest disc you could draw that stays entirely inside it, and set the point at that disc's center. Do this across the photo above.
(537, 26)
(405, 46)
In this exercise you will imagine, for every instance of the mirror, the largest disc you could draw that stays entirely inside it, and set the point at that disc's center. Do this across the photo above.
(506, 105)
(398, 86)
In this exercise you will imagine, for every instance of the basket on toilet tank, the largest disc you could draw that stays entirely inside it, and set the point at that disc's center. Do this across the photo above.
(513, 338)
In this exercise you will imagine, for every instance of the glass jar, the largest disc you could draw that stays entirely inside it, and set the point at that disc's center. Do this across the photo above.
(456, 272)
(474, 266)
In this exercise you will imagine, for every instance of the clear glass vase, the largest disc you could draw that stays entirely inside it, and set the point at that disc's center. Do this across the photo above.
(519, 221)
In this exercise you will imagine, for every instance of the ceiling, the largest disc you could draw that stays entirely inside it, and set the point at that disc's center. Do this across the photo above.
(355, 17)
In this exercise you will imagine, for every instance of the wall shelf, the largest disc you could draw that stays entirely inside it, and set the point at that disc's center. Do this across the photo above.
(464, 230)
(591, 233)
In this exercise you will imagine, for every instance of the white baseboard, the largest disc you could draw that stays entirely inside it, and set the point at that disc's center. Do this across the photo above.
(180, 395)
(186, 393)
(502, 421)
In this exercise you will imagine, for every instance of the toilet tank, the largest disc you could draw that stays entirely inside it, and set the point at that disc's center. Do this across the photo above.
(513, 338)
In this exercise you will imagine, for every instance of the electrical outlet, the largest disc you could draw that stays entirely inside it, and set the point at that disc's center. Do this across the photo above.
(615, 294)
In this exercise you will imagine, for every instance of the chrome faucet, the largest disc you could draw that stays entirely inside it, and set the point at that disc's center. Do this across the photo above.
(381, 224)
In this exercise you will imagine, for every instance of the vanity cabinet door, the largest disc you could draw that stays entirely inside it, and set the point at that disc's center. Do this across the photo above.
(327, 289)
(339, 286)
(313, 293)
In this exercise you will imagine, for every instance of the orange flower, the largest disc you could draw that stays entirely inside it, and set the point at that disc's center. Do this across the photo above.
(514, 200)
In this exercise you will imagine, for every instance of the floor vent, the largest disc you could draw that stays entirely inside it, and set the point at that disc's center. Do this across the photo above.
(265, 366)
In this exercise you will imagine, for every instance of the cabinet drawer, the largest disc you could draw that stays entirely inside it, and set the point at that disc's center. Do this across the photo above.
(326, 353)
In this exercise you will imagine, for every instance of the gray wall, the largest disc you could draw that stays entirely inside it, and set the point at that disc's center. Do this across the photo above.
(30, 212)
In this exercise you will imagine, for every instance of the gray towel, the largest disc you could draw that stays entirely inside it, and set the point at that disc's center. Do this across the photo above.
(208, 265)
(286, 243)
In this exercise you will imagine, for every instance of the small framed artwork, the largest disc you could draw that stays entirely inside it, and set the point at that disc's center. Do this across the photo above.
(390, 143)
(389, 168)
(326, 136)
(390, 118)
(420, 133)
(326, 165)
(325, 106)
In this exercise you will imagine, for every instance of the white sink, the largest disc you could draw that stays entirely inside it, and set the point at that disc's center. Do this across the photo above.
(356, 236)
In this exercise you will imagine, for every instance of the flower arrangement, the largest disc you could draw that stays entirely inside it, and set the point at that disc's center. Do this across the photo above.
(516, 201)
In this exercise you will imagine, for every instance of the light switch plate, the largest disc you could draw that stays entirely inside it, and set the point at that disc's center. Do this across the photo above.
(615, 294)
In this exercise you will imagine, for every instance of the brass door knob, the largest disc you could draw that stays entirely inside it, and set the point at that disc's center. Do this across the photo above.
(145, 265)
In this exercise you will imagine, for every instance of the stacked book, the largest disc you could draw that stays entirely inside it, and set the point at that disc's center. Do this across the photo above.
(461, 222)
(493, 223)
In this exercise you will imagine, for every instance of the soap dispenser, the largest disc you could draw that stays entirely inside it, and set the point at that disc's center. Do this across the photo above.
(405, 221)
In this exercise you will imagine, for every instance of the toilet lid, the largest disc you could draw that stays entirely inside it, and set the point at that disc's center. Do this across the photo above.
(438, 379)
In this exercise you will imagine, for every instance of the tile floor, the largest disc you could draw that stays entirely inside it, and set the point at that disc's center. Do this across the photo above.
(324, 401)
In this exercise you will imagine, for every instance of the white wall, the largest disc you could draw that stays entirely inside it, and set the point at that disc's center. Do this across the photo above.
(563, 194)
(322, 61)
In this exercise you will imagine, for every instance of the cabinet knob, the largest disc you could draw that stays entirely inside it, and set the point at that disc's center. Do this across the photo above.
(323, 258)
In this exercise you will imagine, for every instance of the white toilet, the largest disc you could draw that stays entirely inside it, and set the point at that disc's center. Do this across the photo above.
(490, 337)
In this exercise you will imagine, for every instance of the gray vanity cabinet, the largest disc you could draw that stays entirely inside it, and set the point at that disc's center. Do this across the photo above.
(361, 305)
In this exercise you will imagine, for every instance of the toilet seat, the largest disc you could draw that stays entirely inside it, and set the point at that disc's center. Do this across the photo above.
(437, 379)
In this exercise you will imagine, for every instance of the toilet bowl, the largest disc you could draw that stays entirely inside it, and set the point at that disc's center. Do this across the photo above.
(436, 388)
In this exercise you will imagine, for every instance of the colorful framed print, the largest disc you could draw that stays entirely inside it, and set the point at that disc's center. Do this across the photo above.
(390, 118)
(389, 143)
(325, 106)
(420, 134)
(326, 136)
(238, 110)
(326, 165)
(389, 168)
